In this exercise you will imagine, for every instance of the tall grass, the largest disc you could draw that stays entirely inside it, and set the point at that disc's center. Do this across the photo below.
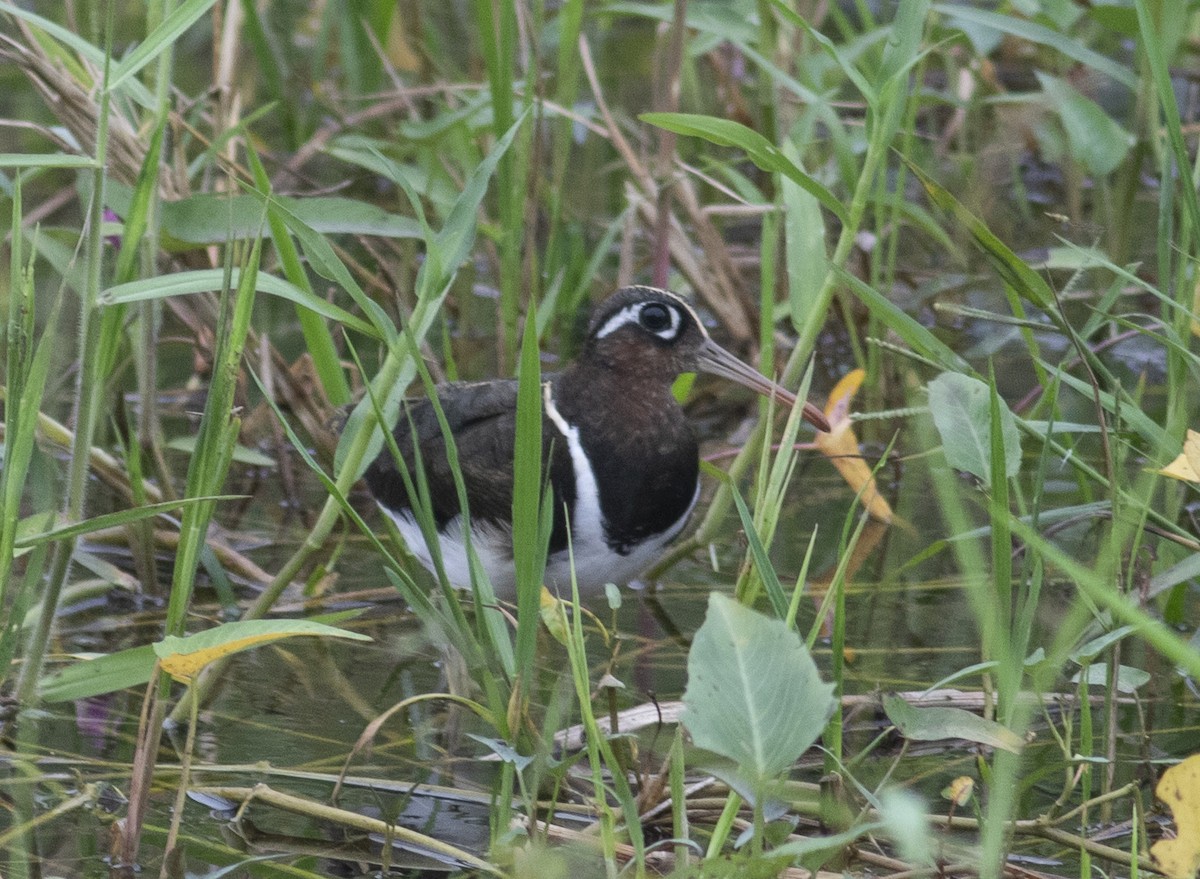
(468, 156)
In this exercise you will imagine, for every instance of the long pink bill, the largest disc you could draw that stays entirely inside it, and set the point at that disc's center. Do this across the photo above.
(716, 360)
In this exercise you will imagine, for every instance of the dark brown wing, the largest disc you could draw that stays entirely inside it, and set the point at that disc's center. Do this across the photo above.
(482, 418)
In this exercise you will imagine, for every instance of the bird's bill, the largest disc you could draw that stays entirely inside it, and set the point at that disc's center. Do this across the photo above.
(716, 360)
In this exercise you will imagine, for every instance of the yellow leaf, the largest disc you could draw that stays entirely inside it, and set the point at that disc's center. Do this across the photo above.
(1186, 467)
(1179, 788)
(840, 446)
(554, 616)
(184, 667)
(959, 791)
(184, 658)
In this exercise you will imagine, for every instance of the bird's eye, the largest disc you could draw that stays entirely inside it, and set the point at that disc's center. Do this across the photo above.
(654, 317)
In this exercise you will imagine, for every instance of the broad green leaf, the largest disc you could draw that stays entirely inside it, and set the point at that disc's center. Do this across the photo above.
(961, 409)
(1093, 648)
(753, 693)
(940, 722)
(184, 658)
(1129, 679)
(1095, 138)
(759, 150)
(203, 280)
(104, 674)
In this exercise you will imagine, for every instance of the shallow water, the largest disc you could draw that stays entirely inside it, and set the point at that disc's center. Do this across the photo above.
(288, 715)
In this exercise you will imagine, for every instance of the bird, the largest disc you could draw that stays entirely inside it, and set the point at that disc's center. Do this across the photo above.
(618, 452)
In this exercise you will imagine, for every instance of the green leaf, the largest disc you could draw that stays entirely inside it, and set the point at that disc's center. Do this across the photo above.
(1088, 651)
(961, 409)
(938, 723)
(753, 693)
(117, 519)
(1096, 139)
(45, 160)
(210, 219)
(1042, 35)
(759, 150)
(167, 32)
(104, 674)
(762, 561)
(241, 454)
(1129, 679)
(202, 280)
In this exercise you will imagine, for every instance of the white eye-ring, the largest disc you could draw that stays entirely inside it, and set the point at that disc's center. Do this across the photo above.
(659, 318)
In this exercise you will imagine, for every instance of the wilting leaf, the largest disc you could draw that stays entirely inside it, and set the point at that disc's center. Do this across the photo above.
(753, 693)
(840, 445)
(181, 657)
(554, 616)
(1179, 788)
(942, 722)
(959, 790)
(1186, 467)
(184, 658)
(961, 409)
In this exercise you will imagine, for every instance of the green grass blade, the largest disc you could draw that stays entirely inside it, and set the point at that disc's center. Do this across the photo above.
(529, 555)
(217, 437)
(159, 40)
(203, 280)
(759, 150)
(317, 337)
